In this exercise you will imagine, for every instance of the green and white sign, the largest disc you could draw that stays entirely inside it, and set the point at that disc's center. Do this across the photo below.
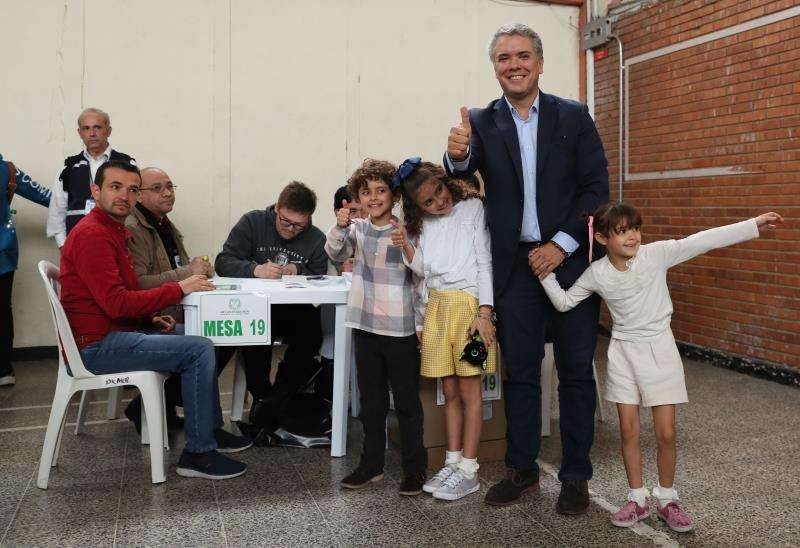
(235, 318)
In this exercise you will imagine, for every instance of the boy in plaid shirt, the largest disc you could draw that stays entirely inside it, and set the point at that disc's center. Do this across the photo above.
(381, 312)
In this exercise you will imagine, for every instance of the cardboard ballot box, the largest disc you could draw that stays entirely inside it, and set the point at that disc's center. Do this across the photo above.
(493, 433)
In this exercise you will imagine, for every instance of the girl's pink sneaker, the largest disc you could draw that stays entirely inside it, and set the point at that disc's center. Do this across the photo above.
(630, 514)
(674, 516)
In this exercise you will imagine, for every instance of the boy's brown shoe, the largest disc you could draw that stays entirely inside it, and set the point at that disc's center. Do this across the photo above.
(412, 484)
(511, 489)
(361, 476)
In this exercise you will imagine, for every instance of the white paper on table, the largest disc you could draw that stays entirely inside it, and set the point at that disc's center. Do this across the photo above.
(257, 284)
(289, 282)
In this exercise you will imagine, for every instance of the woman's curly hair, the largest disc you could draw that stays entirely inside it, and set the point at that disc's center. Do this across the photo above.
(412, 213)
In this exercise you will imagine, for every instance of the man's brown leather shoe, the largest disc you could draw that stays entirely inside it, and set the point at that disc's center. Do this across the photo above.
(574, 498)
(511, 489)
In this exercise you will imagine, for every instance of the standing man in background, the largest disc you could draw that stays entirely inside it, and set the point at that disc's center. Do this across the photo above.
(12, 181)
(72, 198)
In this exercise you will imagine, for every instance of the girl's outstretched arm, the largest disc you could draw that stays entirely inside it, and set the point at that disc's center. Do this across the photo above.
(674, 252)
(569, 299)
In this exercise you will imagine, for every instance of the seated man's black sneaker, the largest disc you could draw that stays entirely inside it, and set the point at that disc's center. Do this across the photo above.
(412, 484)
(134, 413)
(174, 422)
(210, 465)
(231, 443)
(361, 476)
(574, 498)
(511, 489)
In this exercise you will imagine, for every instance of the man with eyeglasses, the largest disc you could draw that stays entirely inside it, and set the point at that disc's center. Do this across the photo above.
(159, 256)
(270, 243)
(72, 198)
(113, 319)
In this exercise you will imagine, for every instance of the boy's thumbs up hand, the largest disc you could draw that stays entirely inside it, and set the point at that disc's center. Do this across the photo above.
(343, 215)
(458, 140)
(399, 234)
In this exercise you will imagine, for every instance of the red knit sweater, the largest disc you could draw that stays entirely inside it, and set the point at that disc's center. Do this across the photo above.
(99, 288)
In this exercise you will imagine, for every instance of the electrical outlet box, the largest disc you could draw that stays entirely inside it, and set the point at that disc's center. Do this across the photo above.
(597, 32)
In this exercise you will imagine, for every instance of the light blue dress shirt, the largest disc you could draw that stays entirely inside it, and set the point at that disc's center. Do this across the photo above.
(526, 137)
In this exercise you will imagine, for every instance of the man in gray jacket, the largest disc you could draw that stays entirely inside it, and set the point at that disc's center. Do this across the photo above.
(269, 244)
(159, 256)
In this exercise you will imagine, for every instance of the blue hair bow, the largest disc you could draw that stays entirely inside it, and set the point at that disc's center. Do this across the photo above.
(406, 168)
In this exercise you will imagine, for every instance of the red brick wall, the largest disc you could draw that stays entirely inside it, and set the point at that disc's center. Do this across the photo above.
(731, 102)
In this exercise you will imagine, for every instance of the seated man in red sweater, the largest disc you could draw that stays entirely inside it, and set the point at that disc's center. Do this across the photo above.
(110, 315)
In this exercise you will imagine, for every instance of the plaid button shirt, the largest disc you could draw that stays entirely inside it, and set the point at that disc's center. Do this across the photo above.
(381, 297)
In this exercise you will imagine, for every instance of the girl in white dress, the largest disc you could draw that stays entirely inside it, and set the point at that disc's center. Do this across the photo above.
(644, 366)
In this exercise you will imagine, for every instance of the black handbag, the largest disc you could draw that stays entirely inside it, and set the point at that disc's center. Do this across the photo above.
(475, 352)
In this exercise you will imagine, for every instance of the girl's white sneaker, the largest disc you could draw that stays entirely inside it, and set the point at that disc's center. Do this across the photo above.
(457, 486)
(437, 481)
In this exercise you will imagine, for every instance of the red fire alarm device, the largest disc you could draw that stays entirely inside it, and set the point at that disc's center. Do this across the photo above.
(600, 53)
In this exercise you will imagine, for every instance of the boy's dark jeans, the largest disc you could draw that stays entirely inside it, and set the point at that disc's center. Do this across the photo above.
(384, 361)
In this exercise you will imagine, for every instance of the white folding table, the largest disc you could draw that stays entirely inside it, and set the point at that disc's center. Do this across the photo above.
(285, 292)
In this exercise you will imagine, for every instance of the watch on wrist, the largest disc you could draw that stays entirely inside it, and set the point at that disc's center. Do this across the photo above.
(491, 316)
(561, 249)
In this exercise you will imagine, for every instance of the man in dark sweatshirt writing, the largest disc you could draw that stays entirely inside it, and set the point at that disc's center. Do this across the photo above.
(271, 243)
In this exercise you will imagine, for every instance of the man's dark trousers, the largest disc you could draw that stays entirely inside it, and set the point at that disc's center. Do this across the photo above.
(299, 327)
(525, 315)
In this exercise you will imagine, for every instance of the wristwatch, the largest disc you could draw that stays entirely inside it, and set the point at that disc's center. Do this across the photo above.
(491, 316)
(561, 249)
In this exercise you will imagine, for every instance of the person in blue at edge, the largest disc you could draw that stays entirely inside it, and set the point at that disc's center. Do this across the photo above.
(12, 181)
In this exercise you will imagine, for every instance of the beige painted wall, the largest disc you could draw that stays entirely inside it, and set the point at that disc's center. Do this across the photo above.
(234, 98)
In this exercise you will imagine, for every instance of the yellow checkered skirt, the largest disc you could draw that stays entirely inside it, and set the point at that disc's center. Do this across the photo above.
(447, 319)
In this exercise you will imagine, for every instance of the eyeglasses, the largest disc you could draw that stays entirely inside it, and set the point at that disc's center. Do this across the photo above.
(295, 227)
(159, 188)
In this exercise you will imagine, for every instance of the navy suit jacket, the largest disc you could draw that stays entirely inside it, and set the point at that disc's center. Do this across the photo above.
(571, 179)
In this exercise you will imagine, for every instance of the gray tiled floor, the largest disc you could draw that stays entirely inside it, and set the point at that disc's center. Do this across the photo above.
(737, 474)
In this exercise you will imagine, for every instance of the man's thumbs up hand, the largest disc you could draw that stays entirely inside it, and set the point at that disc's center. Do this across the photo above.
(458, 140)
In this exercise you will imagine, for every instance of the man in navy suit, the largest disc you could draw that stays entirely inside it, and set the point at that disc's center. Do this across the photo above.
(544, 170)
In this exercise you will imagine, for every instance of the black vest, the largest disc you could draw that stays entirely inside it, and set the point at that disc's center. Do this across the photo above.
(76, 177)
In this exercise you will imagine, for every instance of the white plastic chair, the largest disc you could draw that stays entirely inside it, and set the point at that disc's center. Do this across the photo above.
(149, 383)
(548, 364)
(239, 388)
(113, 407)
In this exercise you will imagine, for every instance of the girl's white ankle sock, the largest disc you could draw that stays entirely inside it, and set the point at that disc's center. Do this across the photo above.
(468, 467)
(665, 495)
(453, 457)
(639, 496)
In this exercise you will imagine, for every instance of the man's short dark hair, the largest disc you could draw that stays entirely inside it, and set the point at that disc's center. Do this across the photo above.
(341, 194)
(124, 166)
(298, 197)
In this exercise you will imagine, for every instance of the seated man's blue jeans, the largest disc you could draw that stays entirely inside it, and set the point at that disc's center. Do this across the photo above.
(190, 357)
